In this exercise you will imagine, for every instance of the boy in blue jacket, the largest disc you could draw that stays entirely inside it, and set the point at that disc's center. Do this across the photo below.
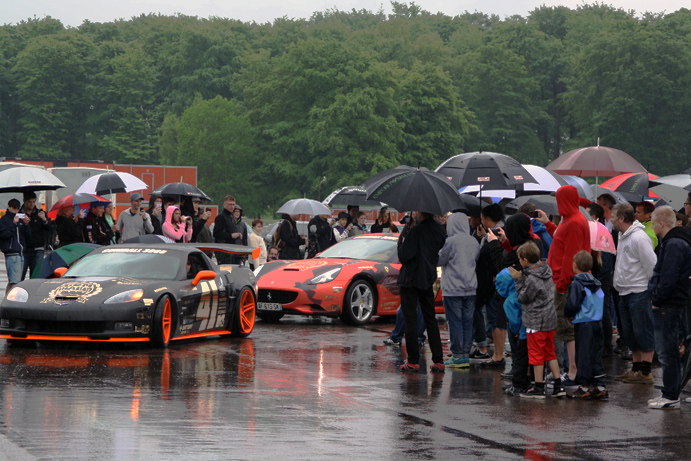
(584, 306)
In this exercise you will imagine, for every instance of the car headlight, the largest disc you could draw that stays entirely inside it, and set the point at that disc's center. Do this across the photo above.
(126, 297)
(326, 276)
(18, 295)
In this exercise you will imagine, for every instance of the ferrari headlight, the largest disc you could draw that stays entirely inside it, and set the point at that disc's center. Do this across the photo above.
(18, 295)
(327, 276)
(126, 297)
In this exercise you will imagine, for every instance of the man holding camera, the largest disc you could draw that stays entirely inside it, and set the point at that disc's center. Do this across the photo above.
(200, 231)
(14, 233)
(135, 221)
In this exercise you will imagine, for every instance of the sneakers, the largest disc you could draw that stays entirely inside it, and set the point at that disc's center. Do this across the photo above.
(458, 362)
(391, 342)
(580, 393)
(491, 363)
(514, 391)
(506, 375)
(439, 367)
(414, 367)
(662, 403)
(534, 393)
(640, 378)
(568, 382)
(476, 354)
(558, 391)
(599, 393)
(627, 375)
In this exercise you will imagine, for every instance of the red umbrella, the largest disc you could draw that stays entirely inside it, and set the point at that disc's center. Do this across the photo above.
(633, 186)
(80, 200)
(596, 161)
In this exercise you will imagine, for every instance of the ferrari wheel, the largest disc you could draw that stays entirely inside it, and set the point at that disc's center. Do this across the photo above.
(270, 317)
(162, 328)
(244, 314)
(358, 306)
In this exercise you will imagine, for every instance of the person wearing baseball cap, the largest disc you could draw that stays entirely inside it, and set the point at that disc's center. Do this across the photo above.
(135, 221)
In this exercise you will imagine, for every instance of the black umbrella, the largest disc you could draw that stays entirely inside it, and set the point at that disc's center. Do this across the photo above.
(546, 203)
(350, 195)
(487, 169)
(179, 190)
(379, 177)
(111, 182)
(473, 205)
(416, 189)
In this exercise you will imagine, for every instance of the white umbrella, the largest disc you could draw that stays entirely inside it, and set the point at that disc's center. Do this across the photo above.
(26, 178)
(303, 206)
(111, 183)
(547, 181)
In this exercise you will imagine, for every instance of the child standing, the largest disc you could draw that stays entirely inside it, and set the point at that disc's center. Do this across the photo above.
(585, 306)
(535, 290)
(458, 285)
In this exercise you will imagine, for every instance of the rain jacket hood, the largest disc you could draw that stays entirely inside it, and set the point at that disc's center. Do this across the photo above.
(517, 229)
(458, 257)
(170, 211)
(567, 201)
(183, 234)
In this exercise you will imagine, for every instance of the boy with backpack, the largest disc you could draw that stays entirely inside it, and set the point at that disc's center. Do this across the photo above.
(584, 306)
(535, 290)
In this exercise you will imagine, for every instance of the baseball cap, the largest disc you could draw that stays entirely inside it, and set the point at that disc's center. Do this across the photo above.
(136, 196)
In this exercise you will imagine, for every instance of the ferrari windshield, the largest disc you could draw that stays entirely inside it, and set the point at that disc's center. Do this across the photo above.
(136, 265)
(383, 250)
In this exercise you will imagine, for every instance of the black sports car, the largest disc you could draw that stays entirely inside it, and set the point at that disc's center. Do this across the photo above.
(135, 293)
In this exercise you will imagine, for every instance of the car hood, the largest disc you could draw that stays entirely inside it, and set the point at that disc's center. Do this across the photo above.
(303, 269)
(83, 289)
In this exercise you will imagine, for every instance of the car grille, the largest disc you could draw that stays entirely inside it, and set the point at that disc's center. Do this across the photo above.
(57, 327)
(277, 296)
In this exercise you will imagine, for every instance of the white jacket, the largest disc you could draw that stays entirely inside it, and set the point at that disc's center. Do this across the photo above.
(635, 261)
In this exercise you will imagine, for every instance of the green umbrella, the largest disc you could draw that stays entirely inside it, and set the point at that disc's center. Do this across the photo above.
(62, 257)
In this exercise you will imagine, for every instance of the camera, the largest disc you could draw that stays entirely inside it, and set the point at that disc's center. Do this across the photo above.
(21, 215)
(534, 214)
(208, 210)
(496, 230)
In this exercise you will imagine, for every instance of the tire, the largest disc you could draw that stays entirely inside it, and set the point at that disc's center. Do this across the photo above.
(270, 317)
(245, 314)
(163, 325)
(359, 303)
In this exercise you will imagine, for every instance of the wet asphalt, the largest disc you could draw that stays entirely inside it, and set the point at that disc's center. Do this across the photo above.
(306, 389)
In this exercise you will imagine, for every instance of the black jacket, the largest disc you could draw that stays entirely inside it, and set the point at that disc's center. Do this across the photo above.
(321, 236)
(224, 227)
(13, 236)
(291, 238)
(156, 222)
(379, 228)
(97, 230)
(69, 230)
(419, 255)
(669, 285)
(39, 230)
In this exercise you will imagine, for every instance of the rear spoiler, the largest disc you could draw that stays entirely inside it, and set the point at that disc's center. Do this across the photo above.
(226, 248)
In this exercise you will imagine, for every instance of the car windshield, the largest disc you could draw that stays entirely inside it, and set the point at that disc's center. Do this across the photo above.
(383, 250)
(136, 265)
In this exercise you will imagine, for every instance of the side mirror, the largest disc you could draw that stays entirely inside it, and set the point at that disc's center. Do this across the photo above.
(59, 272)
(203, 275)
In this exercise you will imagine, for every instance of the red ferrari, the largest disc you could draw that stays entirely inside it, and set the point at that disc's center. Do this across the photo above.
(354, 280)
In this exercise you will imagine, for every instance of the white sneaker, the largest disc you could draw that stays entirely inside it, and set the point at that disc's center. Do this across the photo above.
(662, 403)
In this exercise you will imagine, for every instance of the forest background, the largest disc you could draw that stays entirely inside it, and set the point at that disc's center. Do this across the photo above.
(265, 111)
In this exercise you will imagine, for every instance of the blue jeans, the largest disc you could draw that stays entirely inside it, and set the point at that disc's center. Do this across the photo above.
(459, 312)
(399, 329)
(590, 343)
(14, 264)
(32, 258)
(636, 312)
(491, 314)
(667, 320)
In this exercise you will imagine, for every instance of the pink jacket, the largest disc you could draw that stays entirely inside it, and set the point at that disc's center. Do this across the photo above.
(185, 231)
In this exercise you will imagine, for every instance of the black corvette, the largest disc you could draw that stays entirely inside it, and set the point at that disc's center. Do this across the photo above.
(135, 293)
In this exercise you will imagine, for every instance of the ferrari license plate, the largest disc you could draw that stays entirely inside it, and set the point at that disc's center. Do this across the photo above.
(269, 307)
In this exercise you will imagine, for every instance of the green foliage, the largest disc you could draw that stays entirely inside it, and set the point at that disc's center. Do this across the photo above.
(266, 110)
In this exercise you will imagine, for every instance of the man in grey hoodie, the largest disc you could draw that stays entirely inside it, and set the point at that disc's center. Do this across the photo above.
(458, 285)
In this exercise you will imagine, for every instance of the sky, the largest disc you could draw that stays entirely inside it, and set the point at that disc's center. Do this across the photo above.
(74, 12)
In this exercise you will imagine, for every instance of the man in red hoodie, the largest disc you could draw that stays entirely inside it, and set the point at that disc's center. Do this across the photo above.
(572, 236)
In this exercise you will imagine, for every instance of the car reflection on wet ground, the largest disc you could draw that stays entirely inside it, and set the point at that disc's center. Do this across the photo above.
(304, 389)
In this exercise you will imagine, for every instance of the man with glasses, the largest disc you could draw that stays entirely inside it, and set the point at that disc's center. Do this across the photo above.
(632, 271)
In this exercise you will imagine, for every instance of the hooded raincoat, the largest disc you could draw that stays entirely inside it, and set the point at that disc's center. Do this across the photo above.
(572, 236)
(457, 258)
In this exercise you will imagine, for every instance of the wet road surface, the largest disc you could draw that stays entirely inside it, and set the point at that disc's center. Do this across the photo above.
(305, 389)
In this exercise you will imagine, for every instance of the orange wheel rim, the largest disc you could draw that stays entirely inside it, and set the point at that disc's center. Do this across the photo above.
(166, 321)
(247, 312)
